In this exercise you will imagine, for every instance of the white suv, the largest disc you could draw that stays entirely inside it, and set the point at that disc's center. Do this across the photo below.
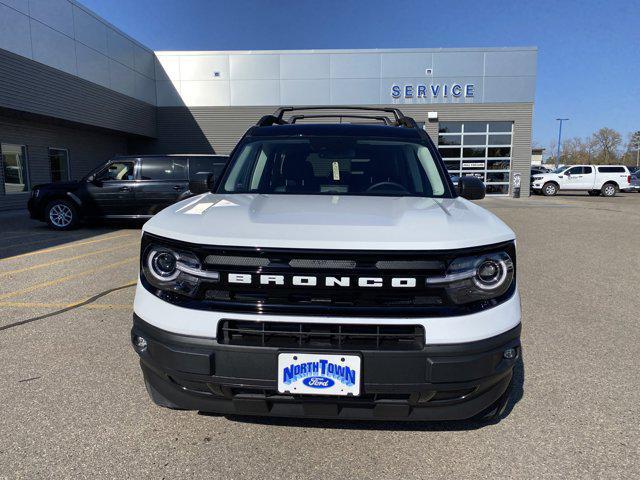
(606, 180)
(333, 271)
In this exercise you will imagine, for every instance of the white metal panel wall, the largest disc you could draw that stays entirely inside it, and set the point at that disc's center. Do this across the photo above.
(66, 35)
(335, 77)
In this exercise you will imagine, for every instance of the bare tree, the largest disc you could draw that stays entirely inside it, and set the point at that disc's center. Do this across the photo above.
(552, 149)
(608, 142)
(590, 145)
(574, 152)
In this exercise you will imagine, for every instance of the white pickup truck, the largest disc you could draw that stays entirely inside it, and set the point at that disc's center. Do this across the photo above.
(606, 180)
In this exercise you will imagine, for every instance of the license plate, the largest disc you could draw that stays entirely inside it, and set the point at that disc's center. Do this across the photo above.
(319, 374)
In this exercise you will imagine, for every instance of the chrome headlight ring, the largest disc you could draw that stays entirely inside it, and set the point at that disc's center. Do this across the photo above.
(166, 265)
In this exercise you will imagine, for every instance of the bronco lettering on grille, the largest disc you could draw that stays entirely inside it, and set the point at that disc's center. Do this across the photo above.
(314, 281)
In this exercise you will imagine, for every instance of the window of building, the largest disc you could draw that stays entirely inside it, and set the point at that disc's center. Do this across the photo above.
(59, 164)
(15, 170)
(164, 168)
(485, 153)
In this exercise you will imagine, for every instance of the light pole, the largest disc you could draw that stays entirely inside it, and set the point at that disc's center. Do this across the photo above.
(559, 140)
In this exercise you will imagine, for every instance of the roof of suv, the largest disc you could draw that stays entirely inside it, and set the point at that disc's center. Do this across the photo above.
(335, 129)
(160, 155)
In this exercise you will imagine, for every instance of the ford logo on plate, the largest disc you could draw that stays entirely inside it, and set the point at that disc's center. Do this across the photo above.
(318, 382)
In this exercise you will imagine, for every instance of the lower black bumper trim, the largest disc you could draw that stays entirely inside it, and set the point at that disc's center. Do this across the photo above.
(440, 382)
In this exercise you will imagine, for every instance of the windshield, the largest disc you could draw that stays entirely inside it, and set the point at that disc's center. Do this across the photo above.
(559, 170)
(334, 165)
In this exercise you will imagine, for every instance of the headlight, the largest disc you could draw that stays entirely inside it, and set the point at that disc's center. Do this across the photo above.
(174, 270)
(481, 277)
(537, 178)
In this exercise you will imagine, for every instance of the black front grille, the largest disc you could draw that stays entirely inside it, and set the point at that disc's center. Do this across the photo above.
(321, 335)
(336, 275)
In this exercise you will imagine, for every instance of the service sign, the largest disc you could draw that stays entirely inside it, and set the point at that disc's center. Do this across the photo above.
(319, 374)
(433, 90)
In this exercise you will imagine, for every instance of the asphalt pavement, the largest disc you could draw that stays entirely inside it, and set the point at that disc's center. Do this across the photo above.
(73, 404)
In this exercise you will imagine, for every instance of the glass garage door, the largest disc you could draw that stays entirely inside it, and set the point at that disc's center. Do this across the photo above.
(481, 149)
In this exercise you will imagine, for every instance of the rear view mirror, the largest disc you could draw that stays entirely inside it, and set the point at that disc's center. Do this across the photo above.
(471, 188)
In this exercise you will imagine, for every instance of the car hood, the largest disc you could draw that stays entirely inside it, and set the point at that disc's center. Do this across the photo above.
(329, 222)
(546, 176)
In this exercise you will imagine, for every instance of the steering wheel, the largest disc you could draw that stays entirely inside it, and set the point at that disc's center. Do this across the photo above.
(376, 186)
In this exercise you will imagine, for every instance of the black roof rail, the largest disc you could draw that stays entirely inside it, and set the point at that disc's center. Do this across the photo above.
(382, 118)
(268, 120)
(400, 120)
(408, 122)
(398, 115)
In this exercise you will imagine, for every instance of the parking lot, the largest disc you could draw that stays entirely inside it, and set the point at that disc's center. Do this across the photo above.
(74, 404)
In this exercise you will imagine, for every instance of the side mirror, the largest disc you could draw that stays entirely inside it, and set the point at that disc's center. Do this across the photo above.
(471, 188)
(203, 185)
(211, 181)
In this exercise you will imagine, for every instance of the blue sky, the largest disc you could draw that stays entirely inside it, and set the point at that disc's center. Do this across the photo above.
(588, 51)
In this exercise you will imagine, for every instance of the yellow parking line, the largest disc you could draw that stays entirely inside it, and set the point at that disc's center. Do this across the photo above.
(27, 233)
(98, 306)
(21, 244)
(62, 247)
(64, 260)
(65, 278)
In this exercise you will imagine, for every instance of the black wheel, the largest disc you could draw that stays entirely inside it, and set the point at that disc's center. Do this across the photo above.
(495, 410)
(549, 189)
(594, 193)
(61, 215)
(159, 399)
(609, 190)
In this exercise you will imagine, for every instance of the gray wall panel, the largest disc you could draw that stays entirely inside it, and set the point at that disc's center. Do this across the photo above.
(32, 87)
(352, 75)
(510, 63)
(15, 32)
(89, 30)
(66, 35)
(305, 66)
(58, 14)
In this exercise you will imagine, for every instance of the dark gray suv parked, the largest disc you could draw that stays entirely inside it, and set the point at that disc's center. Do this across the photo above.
(132, 187)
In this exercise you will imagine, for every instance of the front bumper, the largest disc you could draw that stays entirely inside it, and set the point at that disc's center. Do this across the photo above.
(35, 209)
(439, 382)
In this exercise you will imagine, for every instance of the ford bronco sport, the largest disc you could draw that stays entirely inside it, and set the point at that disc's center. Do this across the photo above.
(333, 272)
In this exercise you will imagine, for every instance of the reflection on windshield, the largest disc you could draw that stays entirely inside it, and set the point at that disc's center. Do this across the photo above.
(334, 165)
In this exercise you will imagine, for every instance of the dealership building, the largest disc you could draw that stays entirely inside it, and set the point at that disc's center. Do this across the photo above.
(75, 91)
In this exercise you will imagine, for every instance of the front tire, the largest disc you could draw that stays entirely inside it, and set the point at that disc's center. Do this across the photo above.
(61, 215)
(609, 190)
(549, 189)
